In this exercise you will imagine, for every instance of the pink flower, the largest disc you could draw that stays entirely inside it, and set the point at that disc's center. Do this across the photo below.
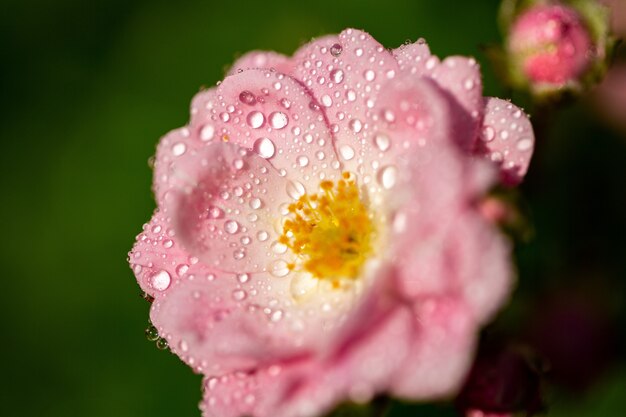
(317, 236)
(551, 46)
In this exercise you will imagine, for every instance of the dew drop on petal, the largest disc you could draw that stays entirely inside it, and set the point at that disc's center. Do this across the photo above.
(231, 227)
(262, 236)
(303, 161)
(278, 120)
(247, 97)
(255, 203)
(369, 75)
(336, 49)
(346, 151)
(488, 133)
(326, 100)
(179, 148)
(387, 176)
(524, 144)
(356, 125)
(336, 75)
(207, 132)
(255, 119)
(243, 278)
(239, 295)
(279, 268)
(303, 285)
(161, 280)
(264, 147)
(295, 189)
(279, 248)
(382, 141)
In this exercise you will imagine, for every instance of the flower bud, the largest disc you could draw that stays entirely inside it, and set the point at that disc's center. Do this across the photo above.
(551, 45)
(557, 46)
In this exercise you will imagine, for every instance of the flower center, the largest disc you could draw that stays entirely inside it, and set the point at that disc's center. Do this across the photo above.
(330, 232)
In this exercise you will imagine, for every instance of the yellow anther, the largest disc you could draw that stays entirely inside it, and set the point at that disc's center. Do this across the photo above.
(330, 232)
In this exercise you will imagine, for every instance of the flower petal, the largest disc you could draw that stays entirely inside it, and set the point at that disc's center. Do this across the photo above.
(158, 259)
(224, 205)
(415, 58)
(274, 115)
(344, 74)
(262, 60)
(441, 351)
(460, 77)
(507, 139)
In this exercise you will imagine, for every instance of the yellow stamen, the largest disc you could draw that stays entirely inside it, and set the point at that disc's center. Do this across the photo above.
(331, 232)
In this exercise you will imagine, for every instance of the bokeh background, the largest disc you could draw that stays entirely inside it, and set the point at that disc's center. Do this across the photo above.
(86, 90)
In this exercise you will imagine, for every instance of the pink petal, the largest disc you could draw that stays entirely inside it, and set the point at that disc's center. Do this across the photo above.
(344, 73)
(313, 386)
(461, 78)
(441, 351)
(214, 324)
(415, 58)
(507, 139)
(223, 206)
(262, 60)
(158, 258)
(275, 116)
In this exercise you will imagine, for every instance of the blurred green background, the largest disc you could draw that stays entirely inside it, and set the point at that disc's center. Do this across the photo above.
(88, 87)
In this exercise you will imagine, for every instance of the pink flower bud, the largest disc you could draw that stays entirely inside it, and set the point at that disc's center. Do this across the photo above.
(550, 46)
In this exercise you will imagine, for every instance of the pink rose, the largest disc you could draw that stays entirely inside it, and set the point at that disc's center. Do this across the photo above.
(318, 236)
(551, 46)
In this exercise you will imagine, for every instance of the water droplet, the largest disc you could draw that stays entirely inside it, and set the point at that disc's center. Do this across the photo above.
(303, 161)
(243, 278)
(264, 147)
(255, 119)
(215, 212)
(326, 100)
(295, 189)
(358, 51)
(488, 133)
(389, 116)
(279, 268)
(468, 84)
(162, 344)
(255, 203)
(168, 243)
(262, 236)
(179, 148)
(224, 117)
(524, 144)
(152, 334)
(387, 176)
(279, 248)
(336, 75)
(182, 269)
(346, 152)
(231, 227)
(239, 295)
(161, 280)
(276, 316)
(356, 125)
(336, 49)
(183, 346)
(369, 75)
(504, 135)
(303, 285)
(350, 95)
(382, 141)
(247, 97)
(278, 120)
(207, 132)
(431, 62)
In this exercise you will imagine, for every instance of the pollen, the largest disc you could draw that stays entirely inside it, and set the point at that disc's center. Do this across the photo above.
(331, 232)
